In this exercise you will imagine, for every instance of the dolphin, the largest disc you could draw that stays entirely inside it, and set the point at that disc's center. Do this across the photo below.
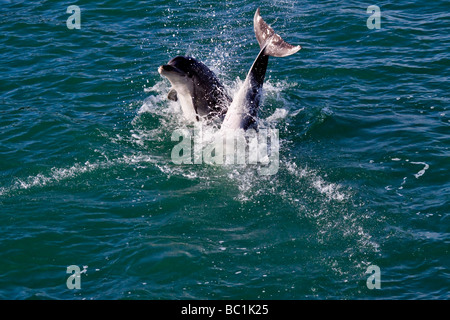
(196, 87)
(201, 94)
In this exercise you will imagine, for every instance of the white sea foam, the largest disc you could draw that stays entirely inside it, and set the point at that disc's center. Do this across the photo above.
(278, 114)
(56, 175)
(421, 172)
(332, 191)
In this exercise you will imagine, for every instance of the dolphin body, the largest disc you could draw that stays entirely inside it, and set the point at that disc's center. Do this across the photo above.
(201, 94)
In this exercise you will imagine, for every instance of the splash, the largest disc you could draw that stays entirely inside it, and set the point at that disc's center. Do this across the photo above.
(331, 191)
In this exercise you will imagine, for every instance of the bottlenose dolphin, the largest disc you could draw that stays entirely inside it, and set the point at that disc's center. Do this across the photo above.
(201, 94)
(196, 87)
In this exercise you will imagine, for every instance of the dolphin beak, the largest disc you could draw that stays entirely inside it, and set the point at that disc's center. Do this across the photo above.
(166, 68)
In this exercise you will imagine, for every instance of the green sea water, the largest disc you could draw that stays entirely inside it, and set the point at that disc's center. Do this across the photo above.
(87, 178)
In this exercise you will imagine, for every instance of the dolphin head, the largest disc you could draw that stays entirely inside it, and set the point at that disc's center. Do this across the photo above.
(178, 70)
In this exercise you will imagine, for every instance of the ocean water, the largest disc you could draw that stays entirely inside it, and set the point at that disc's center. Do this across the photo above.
(87, 178)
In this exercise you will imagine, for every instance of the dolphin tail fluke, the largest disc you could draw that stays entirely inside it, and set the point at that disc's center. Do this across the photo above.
(274, 45)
